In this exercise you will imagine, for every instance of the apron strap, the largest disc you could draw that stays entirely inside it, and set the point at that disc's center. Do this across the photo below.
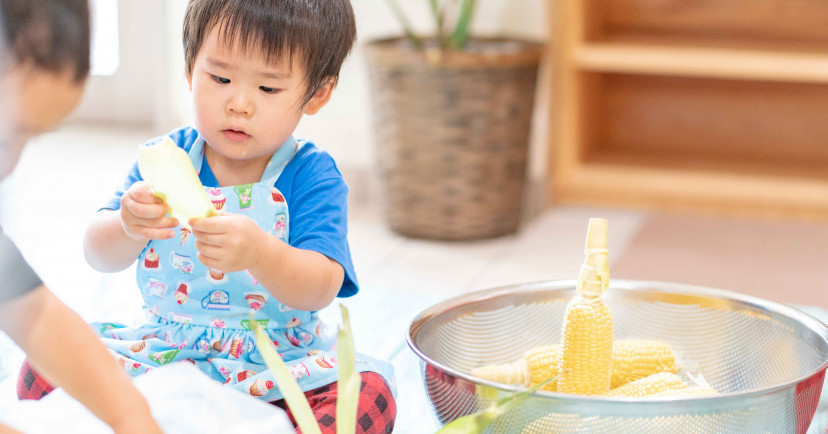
(277, 164)
(279, 161)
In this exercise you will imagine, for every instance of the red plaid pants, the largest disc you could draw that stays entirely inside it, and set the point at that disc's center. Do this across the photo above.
(375, 413)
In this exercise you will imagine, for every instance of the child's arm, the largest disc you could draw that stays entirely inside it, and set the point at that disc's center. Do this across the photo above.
(66, 351)
(301, 279)
(114, 239)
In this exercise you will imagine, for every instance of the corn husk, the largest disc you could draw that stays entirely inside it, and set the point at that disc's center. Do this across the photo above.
(476, 423)
(294, 397)
(349, 380)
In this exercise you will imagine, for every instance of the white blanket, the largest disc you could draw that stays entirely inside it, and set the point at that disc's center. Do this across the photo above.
(182, 399)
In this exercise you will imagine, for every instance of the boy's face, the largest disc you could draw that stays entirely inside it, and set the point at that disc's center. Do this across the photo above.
(245, 107)
(33, 101)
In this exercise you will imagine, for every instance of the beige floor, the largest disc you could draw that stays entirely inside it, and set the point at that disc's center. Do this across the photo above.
(65, 176)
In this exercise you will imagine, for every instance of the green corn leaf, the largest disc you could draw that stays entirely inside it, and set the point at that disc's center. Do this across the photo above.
(475, 423)
(294, 397)
(461, 29)
(349, 380)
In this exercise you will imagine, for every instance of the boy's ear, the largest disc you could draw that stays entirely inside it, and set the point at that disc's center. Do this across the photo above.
(320, 98)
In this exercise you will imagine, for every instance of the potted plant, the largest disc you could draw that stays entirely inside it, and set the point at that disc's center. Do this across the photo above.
(452, 118)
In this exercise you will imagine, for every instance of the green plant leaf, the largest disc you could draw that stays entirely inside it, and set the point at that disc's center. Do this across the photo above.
(438, 16)
(475, 423)
(294, 397)
(461, 29)
(349, 381)
(403, 20)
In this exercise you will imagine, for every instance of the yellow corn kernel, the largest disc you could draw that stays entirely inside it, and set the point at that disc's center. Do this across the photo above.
(543, 365)
(585, 364)
(534, 367)
(634, 359)
(690, 391)
(656, 383)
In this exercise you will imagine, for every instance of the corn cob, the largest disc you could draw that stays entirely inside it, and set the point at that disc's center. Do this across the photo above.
(585, 363)
(634, 359)
(534, 367)
(654, 384)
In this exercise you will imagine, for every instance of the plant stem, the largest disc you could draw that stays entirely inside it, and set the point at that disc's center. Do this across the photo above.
(439, 21)
(403, 20)
(461, 29)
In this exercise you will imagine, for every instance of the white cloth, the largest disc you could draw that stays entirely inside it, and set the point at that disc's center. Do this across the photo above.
(183, 400)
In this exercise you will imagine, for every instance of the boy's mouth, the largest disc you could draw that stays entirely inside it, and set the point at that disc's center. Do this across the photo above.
(235, 135)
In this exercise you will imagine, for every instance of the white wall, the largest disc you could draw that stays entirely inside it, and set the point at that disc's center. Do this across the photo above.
(344, 126)
(149, 87)
(129, 96)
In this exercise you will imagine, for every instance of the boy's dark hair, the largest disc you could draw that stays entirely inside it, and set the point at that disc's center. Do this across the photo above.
(320, 32)
(49, 34)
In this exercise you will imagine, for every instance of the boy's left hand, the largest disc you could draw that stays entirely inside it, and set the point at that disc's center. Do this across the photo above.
(228, 242)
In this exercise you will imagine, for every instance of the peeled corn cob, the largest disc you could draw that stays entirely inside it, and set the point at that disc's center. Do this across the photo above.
(534, 367)
(634, 359)
(171, 176)
(516, 372)
(649, 386)
(586, 337)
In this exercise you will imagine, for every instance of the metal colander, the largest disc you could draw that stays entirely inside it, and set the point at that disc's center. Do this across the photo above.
(766, 359)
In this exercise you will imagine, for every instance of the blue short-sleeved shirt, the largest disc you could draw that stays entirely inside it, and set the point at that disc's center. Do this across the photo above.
(316, 195)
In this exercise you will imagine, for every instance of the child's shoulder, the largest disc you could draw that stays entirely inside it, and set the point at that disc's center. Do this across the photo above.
(311, 157)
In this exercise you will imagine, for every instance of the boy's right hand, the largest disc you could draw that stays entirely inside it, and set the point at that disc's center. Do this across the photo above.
(144, 216)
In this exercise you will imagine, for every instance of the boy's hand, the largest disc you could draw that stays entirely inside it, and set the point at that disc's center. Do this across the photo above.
(144, 216)
(228, 242)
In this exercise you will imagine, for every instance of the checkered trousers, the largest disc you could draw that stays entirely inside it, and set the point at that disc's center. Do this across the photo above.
(375, 413)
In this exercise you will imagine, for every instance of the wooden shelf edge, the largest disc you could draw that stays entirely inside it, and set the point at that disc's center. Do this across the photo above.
(687, 190)
(702, 62)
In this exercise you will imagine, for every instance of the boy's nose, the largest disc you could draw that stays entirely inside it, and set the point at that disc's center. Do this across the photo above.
(241, 104)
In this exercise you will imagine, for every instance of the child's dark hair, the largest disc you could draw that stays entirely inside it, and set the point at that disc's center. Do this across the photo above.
(48, 34)
(321, 32)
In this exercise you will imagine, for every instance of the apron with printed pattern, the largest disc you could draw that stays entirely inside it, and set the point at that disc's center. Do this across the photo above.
(202, 316)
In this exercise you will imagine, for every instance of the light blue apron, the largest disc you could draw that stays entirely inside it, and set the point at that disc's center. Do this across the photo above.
(202, 316)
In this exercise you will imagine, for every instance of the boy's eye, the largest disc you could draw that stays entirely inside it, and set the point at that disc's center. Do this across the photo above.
(221, 80)
(266, 89)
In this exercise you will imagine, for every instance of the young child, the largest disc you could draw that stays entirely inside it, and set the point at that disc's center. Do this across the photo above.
(44, 61)
(279, 245)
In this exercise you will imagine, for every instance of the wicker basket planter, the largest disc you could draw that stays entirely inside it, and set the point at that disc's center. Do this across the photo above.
(452, 135)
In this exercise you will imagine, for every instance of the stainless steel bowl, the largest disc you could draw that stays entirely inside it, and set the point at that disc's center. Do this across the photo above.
(766, 359)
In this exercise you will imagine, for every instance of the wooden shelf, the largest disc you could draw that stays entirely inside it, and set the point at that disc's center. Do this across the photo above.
(721, 107)
(730, 63)
(664, 188)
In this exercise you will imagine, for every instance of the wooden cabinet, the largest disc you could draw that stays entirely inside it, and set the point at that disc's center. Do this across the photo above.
(702, 104)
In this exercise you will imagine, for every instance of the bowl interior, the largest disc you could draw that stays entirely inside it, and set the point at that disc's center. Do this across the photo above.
(737, 343)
